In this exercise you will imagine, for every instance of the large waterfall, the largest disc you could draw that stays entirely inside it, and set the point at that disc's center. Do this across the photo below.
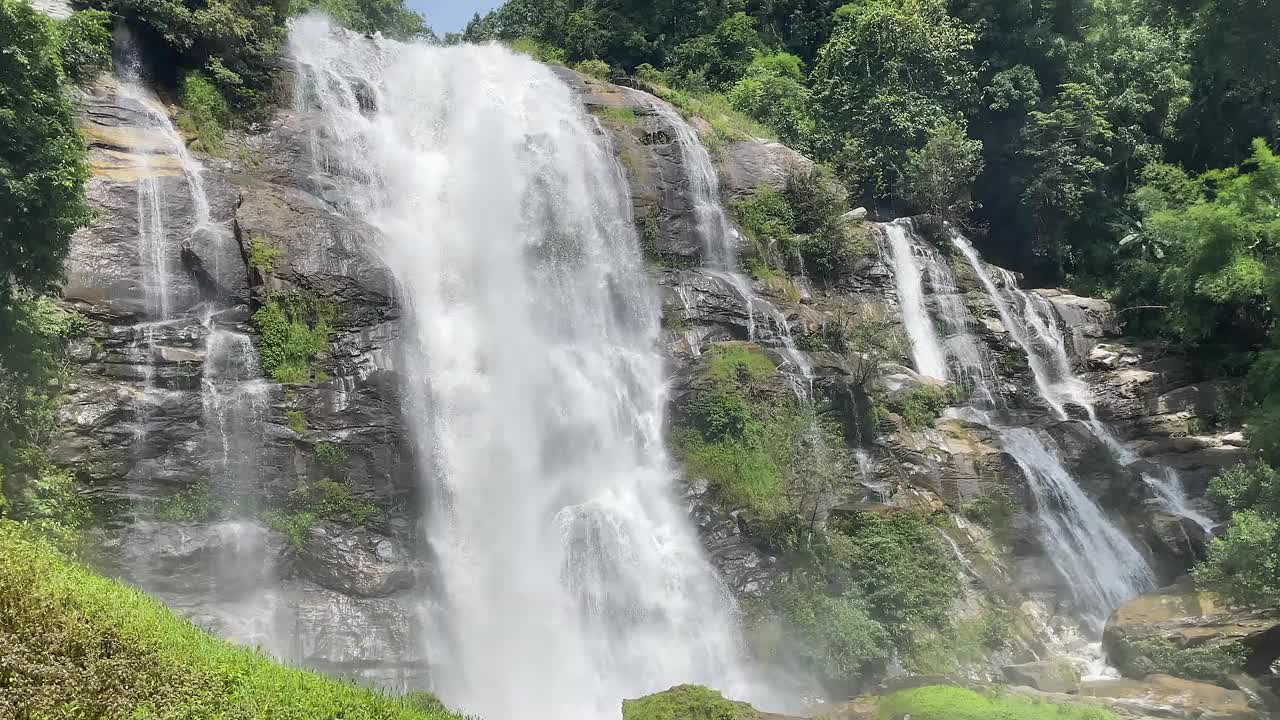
(568, 575)
(1102, 564)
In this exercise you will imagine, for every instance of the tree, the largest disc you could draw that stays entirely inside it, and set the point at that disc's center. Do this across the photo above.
(722, 56)
(938, 176)
(1244, 564)
(42, 158)
(891, 72)
(773, 92)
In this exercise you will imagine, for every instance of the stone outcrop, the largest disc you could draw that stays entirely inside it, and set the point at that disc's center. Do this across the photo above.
(1056, 676)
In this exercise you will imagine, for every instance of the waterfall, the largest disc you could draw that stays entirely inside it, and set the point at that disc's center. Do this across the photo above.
(568, 577)
(1104, 567)
(233, 396)
(908, 277)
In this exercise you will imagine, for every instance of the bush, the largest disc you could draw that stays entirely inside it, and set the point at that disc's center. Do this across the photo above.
(938, 702)
(195, 504)
(831, 633)
(922, 406)
(768, 221)
(84, 42)
(263, 256)
(79, 645)
(686, 702)
(993, 512)
(204, 114)
(1244, 565)
(539, 51)
(294, 328)
(739, 363)
(296, 421)
(598, 69)
(326, 500)
(331, 454)
(773, 93)
(1247, 487)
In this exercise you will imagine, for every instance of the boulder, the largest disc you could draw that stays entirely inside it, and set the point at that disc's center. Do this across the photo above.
(1191, 618)
(1056, 675)
(1160, 694)
(354, 561)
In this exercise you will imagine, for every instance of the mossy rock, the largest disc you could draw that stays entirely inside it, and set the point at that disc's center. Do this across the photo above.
(687, 702)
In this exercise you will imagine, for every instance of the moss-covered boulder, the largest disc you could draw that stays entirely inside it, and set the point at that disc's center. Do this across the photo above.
(687, 702)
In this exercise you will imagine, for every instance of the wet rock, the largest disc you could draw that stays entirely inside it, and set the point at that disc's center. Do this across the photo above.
(355, 562)
(748, 165)
(1057, 675)
(1159, 694)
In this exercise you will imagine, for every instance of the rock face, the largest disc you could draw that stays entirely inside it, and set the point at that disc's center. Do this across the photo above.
(1057, 676)
(1159, 693)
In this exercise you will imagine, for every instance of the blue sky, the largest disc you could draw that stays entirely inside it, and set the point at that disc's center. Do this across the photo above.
(451, 15)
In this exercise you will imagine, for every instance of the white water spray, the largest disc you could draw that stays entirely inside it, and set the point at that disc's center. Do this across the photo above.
(569, 577)
(908, 277)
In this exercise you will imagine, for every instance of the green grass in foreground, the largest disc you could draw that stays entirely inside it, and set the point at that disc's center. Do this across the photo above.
(77, 646)
(938, 702)
(686, 702)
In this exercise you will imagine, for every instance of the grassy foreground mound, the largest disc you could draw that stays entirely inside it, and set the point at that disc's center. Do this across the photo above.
(77, 646)
(937, 702)
(686, 702)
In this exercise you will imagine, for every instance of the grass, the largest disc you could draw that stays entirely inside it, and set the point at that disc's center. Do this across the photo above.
(922, 406)
(739, 362)
(205, 114)
(727, 123)
(686, 702)
(297, 421)
(937, 702)
(624, 116)
(326, 500)
(80, 646)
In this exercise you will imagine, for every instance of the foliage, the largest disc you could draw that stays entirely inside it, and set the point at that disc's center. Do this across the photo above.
(80, 645)
(204, 113)
(1155, 654)
(32, 360)
(686, 702)
(720, 57)
(294, 328)
(892, 71)
(196, 503)
(772, 91)
(42, 158)
(263, 257)
(84, 42)
(598, 69)
(994, 512)
(938, 702)
(1244, 565)
(727, 123)
(322, 501)
(296, 420)
(331, 454)
(623, 116)
(539, 51)
(955, 646)
(1247, 487)
(830, 634)
(828, 246)
(392, 18)
(923, 405)
(768, 221)
(739, 362)
(938, 176)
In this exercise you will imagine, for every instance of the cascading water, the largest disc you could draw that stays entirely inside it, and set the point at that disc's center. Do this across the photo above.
(908, 276)
(1103, 565)
(568, 576)
(233, 395)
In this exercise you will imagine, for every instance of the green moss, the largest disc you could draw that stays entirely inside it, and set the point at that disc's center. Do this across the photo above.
(686, 702)
(294, 328)
(83, 646)
(196, 503)
(295, 526)
(740, 363)
(995, 513)
(297, 421)
(262, 256)
(938, 702)
(1155, 654)
(205, 114)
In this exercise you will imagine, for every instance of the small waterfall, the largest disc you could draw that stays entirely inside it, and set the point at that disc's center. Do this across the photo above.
(908, 277)
(1167, 486)
(1104, 567)
(568, 576)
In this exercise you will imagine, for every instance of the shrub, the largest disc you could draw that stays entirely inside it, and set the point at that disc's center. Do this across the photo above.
(294, 328)
(768, 221)
(297, 421)
(1245, 487)
(196, 503)
(922, 406)
(331, 454)
(79, 645)
(326, 500)
(833, 632)
(993, 512)
(204, 113)
(598, 69)
(773, 93)
(1244, 565)
(719, 415)
(938, 702)
(84, 42)
(539, 51)
(263, 256)
(686, 702)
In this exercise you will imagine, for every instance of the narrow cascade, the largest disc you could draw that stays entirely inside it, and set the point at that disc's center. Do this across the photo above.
(720, 254)
(568, 577)
(1102, 564)
(233, 395)
(1033, 324)
(908, 277)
